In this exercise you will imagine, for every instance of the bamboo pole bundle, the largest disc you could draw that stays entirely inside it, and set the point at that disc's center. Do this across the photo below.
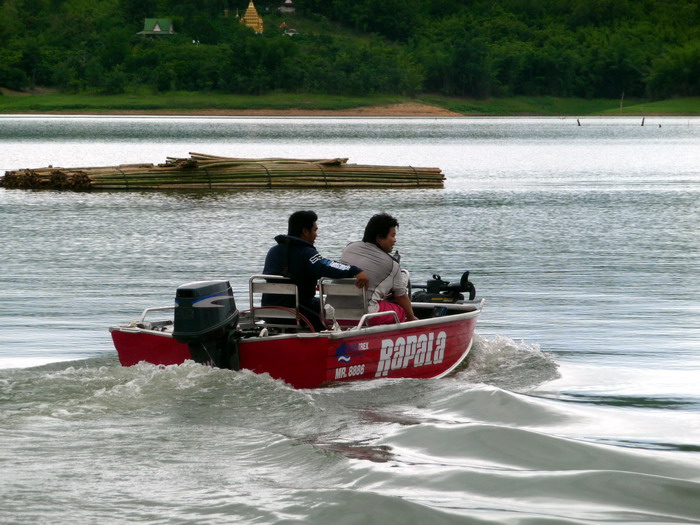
(210, 171)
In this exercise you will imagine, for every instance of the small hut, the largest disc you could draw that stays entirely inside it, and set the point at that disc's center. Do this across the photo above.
(157, 27)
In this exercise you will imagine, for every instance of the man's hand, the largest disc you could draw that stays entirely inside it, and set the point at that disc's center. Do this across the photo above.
(361, 280)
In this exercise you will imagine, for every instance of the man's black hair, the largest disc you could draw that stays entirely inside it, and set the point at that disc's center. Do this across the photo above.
(300, 221)
(379, 226)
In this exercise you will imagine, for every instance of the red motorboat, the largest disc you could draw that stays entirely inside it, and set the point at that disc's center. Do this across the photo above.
(208, 328)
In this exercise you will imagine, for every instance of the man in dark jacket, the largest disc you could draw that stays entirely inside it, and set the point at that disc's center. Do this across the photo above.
(295, 257)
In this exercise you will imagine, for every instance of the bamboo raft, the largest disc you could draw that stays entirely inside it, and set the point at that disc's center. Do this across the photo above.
(201, 171)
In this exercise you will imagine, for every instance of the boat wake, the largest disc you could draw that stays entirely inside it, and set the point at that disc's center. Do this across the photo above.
(507, 364)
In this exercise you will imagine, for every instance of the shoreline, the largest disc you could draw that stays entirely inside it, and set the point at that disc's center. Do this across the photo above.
(398, 110)
(300, 105)
(395, 111)
(403, 109)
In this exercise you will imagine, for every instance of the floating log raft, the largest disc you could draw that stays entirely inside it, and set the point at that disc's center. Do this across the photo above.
(201, 171)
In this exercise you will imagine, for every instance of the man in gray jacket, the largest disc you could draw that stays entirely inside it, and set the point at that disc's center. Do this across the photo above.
(387, 289)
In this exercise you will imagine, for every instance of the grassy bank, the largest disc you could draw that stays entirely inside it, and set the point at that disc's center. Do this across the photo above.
(13, 103)
(553, 106)
(180, 101)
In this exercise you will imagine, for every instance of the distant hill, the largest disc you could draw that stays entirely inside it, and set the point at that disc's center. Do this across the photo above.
(578, 48)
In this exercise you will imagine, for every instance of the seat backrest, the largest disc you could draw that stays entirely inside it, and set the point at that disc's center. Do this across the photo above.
(348, 301)
(272, 284)
(407, 281)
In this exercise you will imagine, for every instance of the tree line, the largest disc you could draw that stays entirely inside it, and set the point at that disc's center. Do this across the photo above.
(477, 48)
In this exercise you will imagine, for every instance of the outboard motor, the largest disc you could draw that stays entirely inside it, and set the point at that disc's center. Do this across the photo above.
(206, 319)
(438, 291)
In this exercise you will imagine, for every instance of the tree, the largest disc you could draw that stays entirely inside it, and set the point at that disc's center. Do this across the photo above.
(676, 72)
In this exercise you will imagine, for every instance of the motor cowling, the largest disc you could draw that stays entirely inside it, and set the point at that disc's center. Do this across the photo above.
(206, 319)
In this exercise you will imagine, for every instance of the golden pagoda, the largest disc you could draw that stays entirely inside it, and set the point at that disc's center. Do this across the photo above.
(252, 19)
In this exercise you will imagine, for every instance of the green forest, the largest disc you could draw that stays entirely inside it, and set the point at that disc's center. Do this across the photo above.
(462, 48)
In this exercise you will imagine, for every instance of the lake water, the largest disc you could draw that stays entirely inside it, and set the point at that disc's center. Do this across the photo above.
(580, 402)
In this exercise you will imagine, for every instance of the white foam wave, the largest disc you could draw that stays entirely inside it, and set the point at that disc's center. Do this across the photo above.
(32, 361)
(507, 364)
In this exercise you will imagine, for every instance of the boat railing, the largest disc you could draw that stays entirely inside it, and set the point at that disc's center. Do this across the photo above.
(147, 311)
(159, 326)
(430, 309)
(367, 317)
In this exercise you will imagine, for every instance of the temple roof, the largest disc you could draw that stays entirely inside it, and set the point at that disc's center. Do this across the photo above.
(252, 19)
(157, 26)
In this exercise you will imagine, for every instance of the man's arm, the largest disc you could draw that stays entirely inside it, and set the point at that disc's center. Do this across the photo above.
(404, 301)
(322, 267)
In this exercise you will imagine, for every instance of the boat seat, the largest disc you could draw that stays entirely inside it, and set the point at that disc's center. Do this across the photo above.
(348, 301)
(407, 280)
(273, 284)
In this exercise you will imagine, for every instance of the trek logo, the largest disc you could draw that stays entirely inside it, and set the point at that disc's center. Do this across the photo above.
(346, 350)
(423, 349)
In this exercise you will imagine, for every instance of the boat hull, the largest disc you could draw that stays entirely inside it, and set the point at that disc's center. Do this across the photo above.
(427, 348)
